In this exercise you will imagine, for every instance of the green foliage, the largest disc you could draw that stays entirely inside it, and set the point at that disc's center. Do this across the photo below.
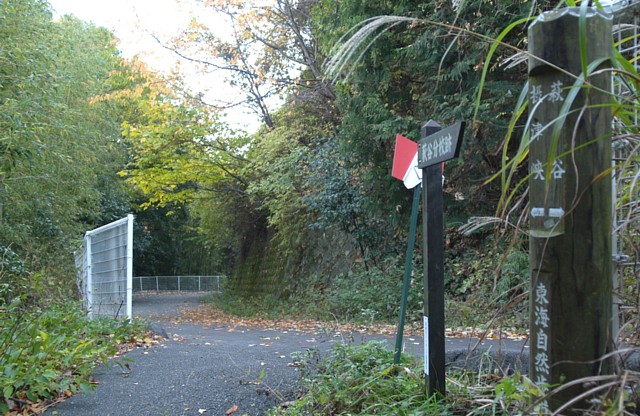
(486, 279)
(362, 296)
(361, 380)
(17, 281)
(177, 147)
(57, 145)
(323, 162)
(226, 225)
(340, 202)
(46, 352)
(430, 70)
(252, 306)
(373, 295)
(184, 163)
(332, 174)
(171, 245)
(14, 275)
(281, 173)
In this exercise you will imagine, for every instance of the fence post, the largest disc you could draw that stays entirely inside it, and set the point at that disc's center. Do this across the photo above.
(199, 289)
(157, 286)
(129, 295)
(570, 200)
(178, 283)
(89, 268)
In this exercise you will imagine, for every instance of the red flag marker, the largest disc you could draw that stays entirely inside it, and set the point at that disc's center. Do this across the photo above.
(403, 156)
(405, 162)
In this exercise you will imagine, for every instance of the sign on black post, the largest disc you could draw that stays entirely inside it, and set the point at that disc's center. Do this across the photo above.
(436, 146)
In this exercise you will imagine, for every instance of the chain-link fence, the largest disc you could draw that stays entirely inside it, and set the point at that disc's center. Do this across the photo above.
(178, 283)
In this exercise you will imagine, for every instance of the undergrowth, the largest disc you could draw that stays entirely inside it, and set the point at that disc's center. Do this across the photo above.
(486, 285)
(362, 380)
(48, 352)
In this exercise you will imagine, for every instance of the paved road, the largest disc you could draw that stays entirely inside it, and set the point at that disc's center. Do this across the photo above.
(209, 370)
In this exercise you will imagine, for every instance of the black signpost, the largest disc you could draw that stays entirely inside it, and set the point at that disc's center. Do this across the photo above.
(436, 146)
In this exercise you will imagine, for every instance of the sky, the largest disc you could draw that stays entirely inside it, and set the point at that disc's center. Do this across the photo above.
(133, 21)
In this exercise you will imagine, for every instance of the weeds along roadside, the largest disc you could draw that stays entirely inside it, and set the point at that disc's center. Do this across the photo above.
(362, 380)
(48, 353)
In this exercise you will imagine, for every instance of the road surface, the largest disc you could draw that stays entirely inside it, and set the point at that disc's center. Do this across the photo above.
(211, 369)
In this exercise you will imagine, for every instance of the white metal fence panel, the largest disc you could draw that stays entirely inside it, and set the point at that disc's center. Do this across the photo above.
(626, 153)
(105, 265)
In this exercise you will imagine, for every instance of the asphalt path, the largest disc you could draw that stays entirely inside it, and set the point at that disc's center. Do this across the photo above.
(215, 369)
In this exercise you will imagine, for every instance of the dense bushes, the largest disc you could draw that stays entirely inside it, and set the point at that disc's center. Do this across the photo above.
(357, 380)
(48, 345)
(48, 352)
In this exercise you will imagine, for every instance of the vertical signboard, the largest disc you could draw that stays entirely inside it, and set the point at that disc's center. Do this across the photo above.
(570, 199)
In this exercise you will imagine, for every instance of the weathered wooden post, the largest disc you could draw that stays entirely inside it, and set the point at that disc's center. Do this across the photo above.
(570, 202)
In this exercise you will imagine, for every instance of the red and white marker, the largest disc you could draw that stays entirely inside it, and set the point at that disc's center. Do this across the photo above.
(405, 162)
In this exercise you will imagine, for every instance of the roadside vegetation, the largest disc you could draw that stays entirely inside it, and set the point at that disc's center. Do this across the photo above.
(302, 215)
(486, 275)
(362, 380)
(48, 353)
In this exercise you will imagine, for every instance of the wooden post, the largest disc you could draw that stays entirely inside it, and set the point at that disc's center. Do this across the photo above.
(433, 271)
(570, 204)
(436, 146)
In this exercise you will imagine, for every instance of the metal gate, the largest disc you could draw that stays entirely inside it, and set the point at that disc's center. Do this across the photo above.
(105, 269)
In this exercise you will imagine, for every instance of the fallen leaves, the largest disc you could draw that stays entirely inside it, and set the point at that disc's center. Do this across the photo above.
(207, 315)
(23, 407)
(231, 410)
(148, 341)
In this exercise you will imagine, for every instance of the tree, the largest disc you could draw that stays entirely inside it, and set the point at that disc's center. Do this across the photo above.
(185, 164)
(280, 171)
(262, 55)
(427, 64)
(178, 147)
(55, 145)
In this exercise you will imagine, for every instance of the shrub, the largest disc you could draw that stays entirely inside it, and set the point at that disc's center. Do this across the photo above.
(360, 380)
(374, 294)
(45, 352)
(13, 275)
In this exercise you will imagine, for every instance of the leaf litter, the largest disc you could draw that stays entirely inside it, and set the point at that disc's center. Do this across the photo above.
(208, 315)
